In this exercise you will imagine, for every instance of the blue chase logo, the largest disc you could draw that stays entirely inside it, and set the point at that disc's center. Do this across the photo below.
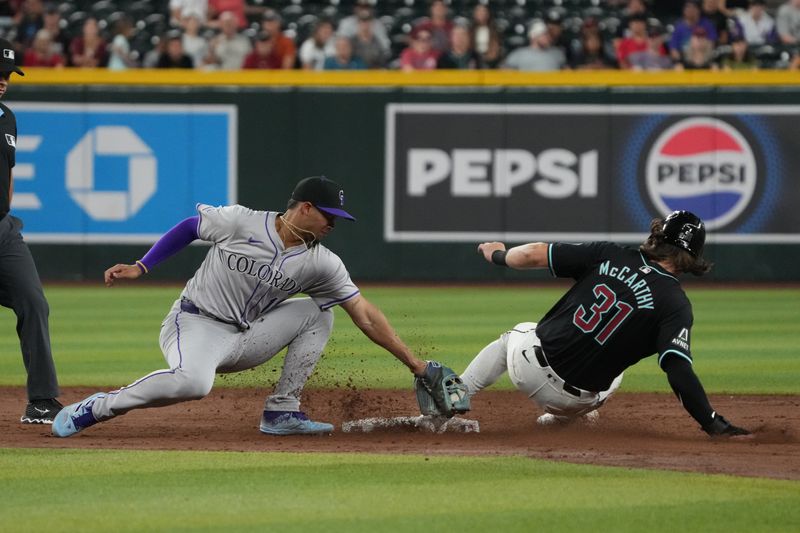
(703, 165)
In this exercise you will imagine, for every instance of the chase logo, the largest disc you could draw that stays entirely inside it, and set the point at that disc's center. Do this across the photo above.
(703, 165)
(107, 173)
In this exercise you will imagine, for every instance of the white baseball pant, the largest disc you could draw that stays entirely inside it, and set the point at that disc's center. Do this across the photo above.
(197, 347)
(515, 352)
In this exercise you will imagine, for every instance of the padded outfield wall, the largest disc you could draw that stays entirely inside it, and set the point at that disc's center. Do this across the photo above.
(432, 163)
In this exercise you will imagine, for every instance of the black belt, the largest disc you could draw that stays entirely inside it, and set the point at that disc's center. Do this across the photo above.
(569, 389)
(188, 306)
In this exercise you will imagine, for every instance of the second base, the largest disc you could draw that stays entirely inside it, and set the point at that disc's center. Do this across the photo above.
(426, 423)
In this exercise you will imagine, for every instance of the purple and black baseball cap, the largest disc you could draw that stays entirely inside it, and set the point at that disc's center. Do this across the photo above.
(326, 195)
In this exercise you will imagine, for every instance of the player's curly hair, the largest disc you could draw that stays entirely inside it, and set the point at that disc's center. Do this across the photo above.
(655, 249)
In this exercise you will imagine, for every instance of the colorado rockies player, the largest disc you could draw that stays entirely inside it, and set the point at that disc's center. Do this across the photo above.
(235, 313)
(625, 305)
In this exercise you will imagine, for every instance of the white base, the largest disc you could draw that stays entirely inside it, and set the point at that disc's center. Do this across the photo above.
(428, 423)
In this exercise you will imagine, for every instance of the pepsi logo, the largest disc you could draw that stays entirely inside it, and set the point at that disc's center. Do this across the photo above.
(702, 165)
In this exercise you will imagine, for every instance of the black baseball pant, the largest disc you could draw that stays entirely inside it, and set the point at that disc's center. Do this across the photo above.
(21, 291)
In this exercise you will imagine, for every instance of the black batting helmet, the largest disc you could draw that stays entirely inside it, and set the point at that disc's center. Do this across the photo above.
(686, 231)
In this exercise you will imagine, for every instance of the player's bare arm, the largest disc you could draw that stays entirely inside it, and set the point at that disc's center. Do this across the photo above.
(120, 271)
(376, 327)
(531, 255)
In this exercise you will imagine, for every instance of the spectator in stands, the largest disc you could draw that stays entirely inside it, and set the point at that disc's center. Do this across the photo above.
(217, 7)
(439, 25)
(343, 58)
(180, 9)
(174, 55)
(634, 8)
(284, 49)
(461, 56)
(366, 45)
(58, 38)
(152, 56)
(316, 48)
(787, 22)
(555, 29)
(757, 25)
(540, 55)
(486, 37)
(713, 11)
(698, 54)
(740, 58)
(263, 55)
(419, 55)
(30, 21)
(655, 56)
(348, 26)
(120, 50)
(41, 53)
(228, 49)
(590, 55)
(194, 44)
(636, 41)
(685, 27)
(89, 49)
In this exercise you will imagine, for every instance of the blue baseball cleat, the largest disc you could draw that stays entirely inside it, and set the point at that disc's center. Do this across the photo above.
(292, 423)
(75, 417)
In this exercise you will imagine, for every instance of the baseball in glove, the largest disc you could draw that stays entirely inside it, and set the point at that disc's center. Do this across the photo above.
(440, 392)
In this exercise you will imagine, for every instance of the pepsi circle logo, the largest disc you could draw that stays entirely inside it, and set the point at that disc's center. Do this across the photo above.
(702, 165)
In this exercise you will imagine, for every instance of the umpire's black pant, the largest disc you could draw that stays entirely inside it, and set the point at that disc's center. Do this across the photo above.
(21, 291)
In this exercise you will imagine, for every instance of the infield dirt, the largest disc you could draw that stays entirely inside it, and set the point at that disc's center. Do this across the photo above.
(634, 430)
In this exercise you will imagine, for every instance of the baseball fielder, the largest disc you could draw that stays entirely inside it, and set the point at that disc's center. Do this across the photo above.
(20, 287)
(236, 312)
(625, 305)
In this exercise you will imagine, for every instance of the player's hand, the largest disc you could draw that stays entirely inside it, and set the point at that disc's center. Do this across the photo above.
(121, 272)
(488, 248)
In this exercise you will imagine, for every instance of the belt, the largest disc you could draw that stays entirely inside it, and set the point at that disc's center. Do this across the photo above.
(188, 306)
(569, 389)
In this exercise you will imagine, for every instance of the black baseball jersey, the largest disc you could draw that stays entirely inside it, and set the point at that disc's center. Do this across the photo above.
(8, 149)
(621, 309)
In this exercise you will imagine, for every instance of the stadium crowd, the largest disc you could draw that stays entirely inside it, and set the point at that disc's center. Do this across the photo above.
(527, 35)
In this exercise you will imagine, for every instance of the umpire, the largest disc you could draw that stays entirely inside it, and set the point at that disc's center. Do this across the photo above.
(20, 288)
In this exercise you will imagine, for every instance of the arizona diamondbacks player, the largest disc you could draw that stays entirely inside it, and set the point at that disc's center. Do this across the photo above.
(235, 313)
(625, 305)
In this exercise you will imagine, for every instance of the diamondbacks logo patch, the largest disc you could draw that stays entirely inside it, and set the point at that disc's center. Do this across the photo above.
(11, 140)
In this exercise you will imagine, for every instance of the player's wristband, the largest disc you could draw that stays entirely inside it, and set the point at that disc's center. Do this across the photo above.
(499, 257)
(142, 267)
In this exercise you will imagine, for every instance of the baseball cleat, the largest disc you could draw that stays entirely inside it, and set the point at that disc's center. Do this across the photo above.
(75, 417)
(41, 411)
(292, 423)
(549, 419)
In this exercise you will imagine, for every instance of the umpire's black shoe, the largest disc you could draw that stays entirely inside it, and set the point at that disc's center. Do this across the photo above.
(41, 411)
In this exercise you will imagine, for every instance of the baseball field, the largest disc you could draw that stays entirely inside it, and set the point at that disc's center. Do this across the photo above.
(203, 466)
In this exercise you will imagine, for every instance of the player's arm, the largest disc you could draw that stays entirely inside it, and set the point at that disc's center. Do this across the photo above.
(532, 255)
(172, 242)
(690, 393)
(376, 327)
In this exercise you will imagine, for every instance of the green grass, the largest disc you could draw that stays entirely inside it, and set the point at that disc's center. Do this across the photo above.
(744, 341)
(102, 490)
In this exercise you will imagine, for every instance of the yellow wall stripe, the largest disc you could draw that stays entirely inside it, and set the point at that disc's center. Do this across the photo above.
(268, 78)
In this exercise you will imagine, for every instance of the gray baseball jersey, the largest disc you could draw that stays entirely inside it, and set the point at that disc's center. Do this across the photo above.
(248, 271)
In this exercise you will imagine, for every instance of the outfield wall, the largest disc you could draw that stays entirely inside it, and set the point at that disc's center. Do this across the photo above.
(432, 163)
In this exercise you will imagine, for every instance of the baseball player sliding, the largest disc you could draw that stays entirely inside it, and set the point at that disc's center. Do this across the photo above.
(625, 305)
(235, 313)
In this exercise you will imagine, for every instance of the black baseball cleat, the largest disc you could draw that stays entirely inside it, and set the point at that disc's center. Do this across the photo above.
(41, 411)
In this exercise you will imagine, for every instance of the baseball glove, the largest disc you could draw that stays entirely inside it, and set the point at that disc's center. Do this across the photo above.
(440, 391)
